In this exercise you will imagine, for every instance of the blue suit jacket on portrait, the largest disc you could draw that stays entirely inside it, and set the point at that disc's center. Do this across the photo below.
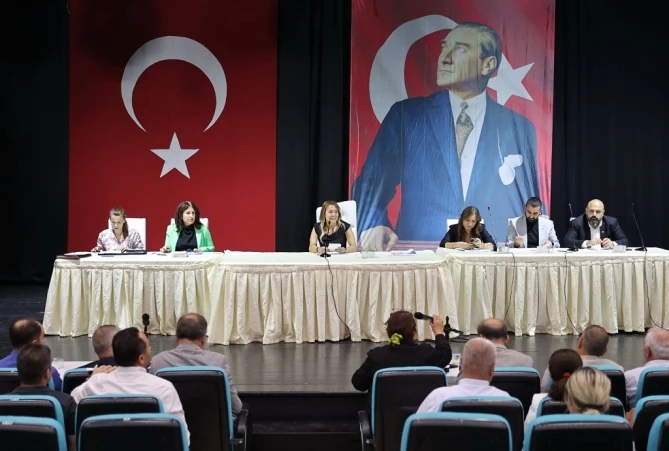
(415, 147)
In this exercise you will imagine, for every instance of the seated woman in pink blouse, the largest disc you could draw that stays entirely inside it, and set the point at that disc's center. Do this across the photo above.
(119, 237)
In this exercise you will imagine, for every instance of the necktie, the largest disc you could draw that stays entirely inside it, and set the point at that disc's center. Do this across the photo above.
(463, 127)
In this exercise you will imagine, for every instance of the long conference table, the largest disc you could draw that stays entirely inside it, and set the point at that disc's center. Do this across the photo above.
(301, 297)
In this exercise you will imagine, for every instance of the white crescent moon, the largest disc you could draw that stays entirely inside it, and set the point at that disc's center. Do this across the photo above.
(386, 80)
(174, 48)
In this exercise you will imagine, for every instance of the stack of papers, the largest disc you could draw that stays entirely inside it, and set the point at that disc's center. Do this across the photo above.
(403, 253)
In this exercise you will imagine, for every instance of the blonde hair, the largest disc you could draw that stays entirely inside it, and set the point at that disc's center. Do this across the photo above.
(588, 389)
(324, 207)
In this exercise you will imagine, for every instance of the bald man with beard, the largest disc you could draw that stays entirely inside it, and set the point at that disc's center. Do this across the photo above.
(594, 230)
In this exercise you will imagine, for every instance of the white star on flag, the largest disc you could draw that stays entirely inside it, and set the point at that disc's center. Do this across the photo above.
(509, 81)
(175, 157)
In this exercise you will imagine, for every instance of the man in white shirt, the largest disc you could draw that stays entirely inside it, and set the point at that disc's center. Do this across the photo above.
(594, 230)
(132, 352)
(591, 347)
(656, 351)
(478, 368)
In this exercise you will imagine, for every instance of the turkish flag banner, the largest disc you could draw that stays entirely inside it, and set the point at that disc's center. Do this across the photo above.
(173, 101)
(451, 107)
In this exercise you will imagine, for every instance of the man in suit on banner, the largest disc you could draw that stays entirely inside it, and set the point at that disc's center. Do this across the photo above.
(532, 229)
(594, 229)
(449, 150)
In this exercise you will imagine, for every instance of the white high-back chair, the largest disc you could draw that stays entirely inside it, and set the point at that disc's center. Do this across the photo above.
(349, 213)
(138, 224)
(204, 221)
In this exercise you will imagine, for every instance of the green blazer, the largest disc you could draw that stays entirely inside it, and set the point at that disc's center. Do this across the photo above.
(204, 241)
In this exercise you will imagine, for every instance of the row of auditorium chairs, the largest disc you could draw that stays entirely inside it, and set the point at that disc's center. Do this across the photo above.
(204, 393)
(398, 392)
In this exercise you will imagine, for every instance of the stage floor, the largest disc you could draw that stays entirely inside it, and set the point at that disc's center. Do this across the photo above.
(289, 367)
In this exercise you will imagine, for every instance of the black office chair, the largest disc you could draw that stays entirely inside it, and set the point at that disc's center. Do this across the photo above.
(75, 377)
(9, 380)
(550, 406)
(396, 394)
(96, 405)
(508, 408)
(137, 431)
(578, 432)
(520, 382)
(647, 410)
(30, 434)
(456, 430)
(205, 395)
(617, 378)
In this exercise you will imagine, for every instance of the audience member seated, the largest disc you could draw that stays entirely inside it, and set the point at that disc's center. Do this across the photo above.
(34, 366)
(495, 330)
(588, 392)
(132, 352)
(25, 331)
(102, 345)
(591, 347)
(191, 338)
(403, 349)
(656, 351)
(562, 364)
(478, 367)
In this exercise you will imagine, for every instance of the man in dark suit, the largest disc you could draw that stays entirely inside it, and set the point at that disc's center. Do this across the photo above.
(449, 150)
(594, 229)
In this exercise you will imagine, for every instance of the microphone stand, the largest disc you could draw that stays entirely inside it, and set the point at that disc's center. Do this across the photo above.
(448, 329)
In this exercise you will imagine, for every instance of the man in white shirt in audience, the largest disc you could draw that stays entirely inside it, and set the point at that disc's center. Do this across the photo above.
(132, 353)
(656, 351)
(191, 338)
(478, 368)
(591, 347)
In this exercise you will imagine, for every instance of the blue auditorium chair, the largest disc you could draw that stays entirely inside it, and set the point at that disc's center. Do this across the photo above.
(658, 439)
(520, 382)
(9, 380)
(20, 405)
(550, 406)
(510, 409)
(396, 394)
(111, 404)
(31, 433)
(73, 378)
(578, 432)
(136, 431)
(646, 411)
(617, 378)
(205, 395)
(457, 431)
(653, 381)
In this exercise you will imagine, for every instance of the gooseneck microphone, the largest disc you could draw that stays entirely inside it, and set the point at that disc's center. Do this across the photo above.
(638, 229)
(573, 247)
(325, 245)
(494, 231)
(145, 320)
(571, 213)
(448, 328)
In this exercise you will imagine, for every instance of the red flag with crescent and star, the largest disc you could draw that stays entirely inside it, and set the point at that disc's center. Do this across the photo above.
(395, 50)
(173, 101)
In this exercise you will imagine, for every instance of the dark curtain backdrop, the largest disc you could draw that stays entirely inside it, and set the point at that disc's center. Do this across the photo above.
(609, 132)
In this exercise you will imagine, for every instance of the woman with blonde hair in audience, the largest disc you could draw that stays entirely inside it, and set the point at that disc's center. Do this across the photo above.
(588, 391)
(403, 349)
(561, 366)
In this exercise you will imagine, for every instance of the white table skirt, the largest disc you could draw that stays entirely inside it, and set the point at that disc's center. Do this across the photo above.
(553, 292)
(246, 296)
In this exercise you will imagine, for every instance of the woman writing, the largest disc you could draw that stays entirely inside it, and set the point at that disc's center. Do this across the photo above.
(331, 230)
(468, 233)
(119, 237)
(187, 233)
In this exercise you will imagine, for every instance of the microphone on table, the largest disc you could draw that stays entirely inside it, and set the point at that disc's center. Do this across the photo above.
(643, 247)
(573, 247)
(145, 320)
(494, 232)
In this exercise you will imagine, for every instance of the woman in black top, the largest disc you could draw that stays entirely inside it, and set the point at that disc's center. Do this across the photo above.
(331, 230)
(468, 233)
(403, 350)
